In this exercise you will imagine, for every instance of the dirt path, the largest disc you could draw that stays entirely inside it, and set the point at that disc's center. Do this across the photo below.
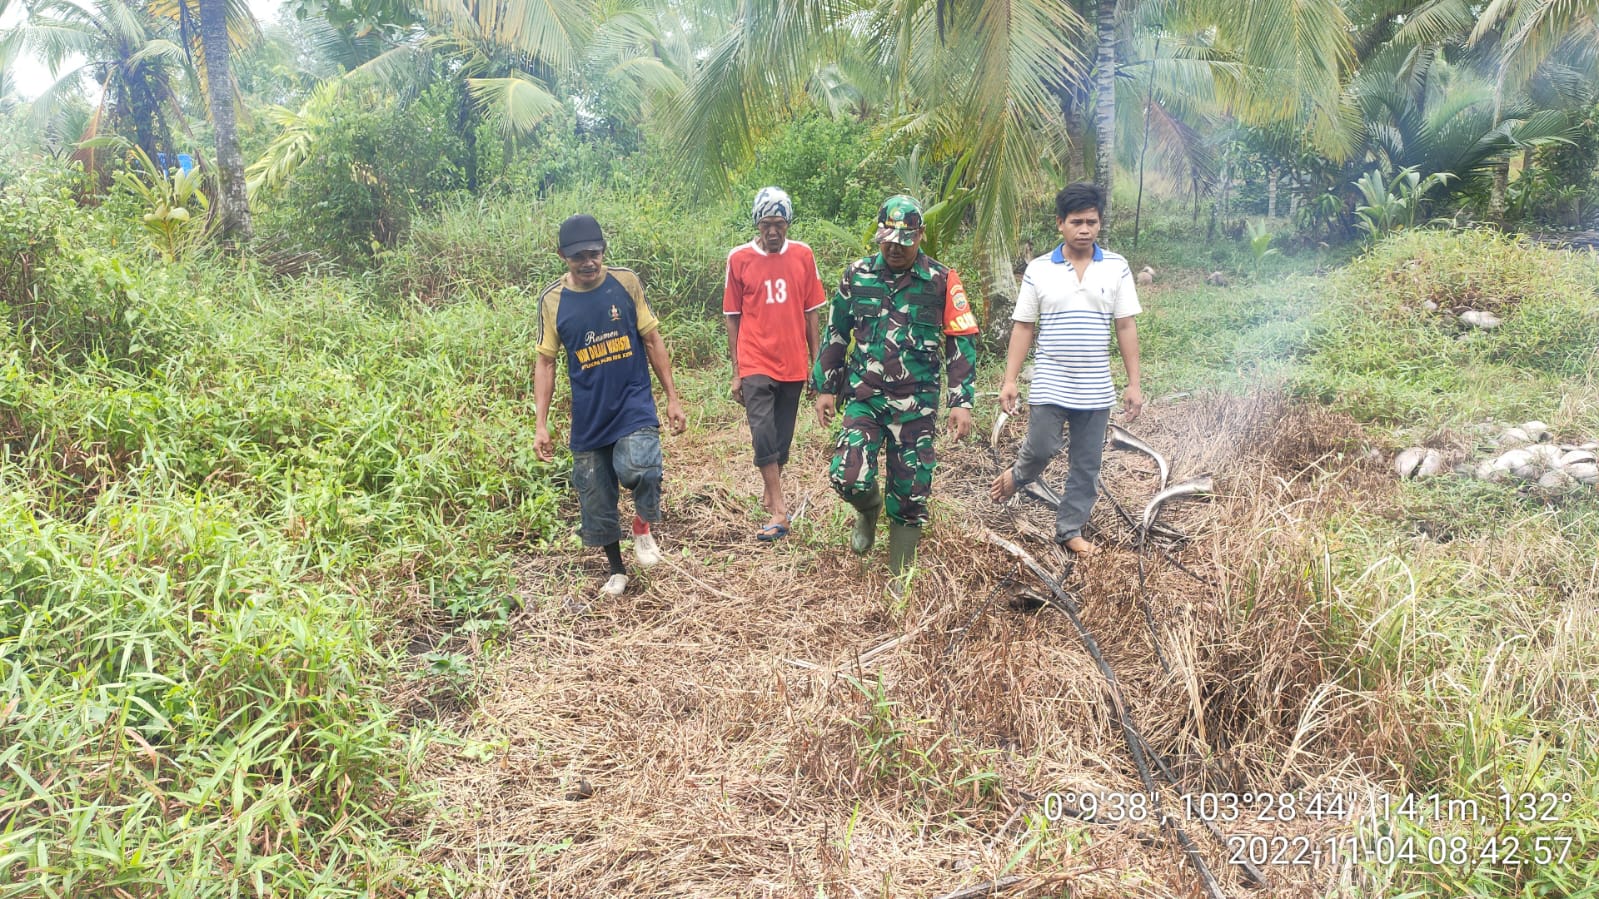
(716, 732)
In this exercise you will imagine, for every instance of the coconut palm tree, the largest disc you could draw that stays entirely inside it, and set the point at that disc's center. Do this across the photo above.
(127, 52)
(1010, 76)
(216, 47)
(979, 81)
(520, 61)
(1532, 32)
(211, 31)
(1518, 48)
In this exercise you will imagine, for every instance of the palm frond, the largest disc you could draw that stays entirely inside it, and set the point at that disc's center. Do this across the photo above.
(159, 51)
(1537, 29)
(548, 30)
(1435, 21)
(393, 69)
(58, 96)
(339, 48)
(1303, 50)
(56, 41)
(243, 29)
(517, 104)
(768, 52)
(295, 141)
(637, 79)
(839, 93)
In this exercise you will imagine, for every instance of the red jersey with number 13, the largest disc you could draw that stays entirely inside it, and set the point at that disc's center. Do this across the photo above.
(771, 292)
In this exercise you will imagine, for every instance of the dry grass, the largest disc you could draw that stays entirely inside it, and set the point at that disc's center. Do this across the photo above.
(715, 733)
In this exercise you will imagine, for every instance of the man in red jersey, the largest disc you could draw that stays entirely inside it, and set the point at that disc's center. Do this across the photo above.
(771, 300)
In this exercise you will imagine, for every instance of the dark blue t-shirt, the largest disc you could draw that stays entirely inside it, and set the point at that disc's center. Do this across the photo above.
(605, 360)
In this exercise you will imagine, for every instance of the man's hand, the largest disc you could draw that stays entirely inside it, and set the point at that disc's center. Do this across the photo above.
(674, 414)
(1009, 397)
(960, 418)
(543, 445)
(737, 389)
(826, 405)
(1132, 403)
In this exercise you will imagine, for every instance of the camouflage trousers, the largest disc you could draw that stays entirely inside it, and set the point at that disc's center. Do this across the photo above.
(909, 426)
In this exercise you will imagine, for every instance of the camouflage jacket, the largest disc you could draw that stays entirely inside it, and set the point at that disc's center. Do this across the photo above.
(903, 327)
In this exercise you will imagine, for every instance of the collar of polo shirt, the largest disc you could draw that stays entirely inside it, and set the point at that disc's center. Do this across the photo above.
(1059, 256)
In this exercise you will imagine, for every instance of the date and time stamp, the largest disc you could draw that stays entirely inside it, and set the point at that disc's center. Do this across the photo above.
(1449, 832)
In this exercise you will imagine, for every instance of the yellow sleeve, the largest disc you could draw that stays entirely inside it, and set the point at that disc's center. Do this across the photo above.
(549, 341)
(647, 321)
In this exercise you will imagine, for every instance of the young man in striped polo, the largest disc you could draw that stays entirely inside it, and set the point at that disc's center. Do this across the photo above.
(1071, 300)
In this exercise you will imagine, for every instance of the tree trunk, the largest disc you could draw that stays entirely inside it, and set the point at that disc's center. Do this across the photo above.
(1271, 193)
(1105, 102)
(233, 204)
(1071, 116)
(142, 110)
(464, 128)
(1226, 189)
(1496, 196)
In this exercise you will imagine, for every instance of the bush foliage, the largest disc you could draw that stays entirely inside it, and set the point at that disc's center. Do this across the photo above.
(212, 488)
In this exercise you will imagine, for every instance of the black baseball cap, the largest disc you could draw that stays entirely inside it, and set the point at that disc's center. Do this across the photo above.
(580, 233)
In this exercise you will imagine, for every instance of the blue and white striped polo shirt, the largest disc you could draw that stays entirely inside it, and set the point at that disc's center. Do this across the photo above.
(1072, 353)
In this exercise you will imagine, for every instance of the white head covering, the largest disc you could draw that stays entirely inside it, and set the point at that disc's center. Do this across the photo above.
(773, 201)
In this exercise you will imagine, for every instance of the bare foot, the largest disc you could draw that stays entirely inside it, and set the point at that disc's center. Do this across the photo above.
(1003, 488)
(1081, 547)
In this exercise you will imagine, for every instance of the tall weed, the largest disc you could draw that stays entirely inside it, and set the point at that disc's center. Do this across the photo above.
(199, 550)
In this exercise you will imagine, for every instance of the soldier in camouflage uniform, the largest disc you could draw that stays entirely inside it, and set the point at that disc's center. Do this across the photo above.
(907, 314)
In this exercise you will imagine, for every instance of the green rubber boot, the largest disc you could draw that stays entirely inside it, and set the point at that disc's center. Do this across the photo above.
(902, 540)
(865, 533)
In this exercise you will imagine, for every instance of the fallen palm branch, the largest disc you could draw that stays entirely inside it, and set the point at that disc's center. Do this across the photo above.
(1135, 741)
(1251, 873)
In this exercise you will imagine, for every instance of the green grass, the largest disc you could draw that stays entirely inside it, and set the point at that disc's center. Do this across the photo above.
(1379, 355)
(1234, 338)
(1463, 618)
(223, 497)
(204, 548)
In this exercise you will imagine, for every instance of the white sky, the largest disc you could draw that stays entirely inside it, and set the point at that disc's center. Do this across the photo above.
(32, 77)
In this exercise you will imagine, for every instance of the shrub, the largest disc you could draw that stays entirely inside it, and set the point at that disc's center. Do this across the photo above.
(70, 300)
(376, 163)
(835, 169)
(198, 550)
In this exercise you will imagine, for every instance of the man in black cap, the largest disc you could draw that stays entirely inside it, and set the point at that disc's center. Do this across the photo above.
(597, 315)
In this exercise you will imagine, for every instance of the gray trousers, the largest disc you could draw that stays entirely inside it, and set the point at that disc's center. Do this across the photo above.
(1047, 431)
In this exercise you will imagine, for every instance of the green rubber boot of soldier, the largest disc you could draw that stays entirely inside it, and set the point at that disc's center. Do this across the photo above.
(867, 507)
(902, 540)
